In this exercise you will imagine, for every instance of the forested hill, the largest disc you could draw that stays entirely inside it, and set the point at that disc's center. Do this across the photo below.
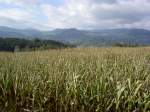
(83, 38)
(17, 44)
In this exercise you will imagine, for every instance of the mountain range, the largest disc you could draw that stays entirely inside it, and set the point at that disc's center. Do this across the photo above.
(105, 37)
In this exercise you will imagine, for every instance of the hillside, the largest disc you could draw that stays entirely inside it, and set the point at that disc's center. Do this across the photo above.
(105, 37)
(16, 44)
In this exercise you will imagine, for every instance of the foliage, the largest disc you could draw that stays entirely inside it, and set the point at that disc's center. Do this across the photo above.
(76, 80)
(122, 44)
(16, 44)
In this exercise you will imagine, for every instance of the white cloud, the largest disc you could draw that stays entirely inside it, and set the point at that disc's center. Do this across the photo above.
(71, 14)
(16, 14)
(19, 2)
(98, 14)
(81, 13)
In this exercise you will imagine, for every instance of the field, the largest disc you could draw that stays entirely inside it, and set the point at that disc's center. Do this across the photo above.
(76, 80)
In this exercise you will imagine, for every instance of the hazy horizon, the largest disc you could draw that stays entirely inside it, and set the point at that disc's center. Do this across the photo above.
(80, 14)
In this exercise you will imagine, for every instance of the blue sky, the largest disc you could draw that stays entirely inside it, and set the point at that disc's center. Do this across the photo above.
(83, 14)
(52, 2)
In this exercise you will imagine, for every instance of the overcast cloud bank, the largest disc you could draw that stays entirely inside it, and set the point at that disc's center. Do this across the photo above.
(85, 14)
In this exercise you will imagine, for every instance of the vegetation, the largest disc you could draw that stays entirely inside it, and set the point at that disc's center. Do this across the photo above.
(16, 44)
(84, 38)
(122, 44)
(76, 80)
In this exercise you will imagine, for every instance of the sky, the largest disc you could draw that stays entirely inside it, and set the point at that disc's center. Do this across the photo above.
(82, 14)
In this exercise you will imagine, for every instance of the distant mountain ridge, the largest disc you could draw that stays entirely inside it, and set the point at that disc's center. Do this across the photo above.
(104, 37)
(19, 33)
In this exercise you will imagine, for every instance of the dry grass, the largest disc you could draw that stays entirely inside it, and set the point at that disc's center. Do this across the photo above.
(76, 80)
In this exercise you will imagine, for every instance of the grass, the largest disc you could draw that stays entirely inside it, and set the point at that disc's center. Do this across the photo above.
(76, 80)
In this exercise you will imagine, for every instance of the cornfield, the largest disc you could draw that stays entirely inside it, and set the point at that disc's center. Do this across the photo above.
(76, 80)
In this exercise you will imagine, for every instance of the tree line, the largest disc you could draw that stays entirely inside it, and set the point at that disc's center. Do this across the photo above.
(17, 44)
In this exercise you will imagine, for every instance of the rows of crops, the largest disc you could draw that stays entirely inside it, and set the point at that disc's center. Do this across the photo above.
(76, 80)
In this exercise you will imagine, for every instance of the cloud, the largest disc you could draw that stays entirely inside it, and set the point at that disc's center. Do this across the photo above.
(83, 14)
(102, 1)
(15, 13)
(98, 13)
(19, 2)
